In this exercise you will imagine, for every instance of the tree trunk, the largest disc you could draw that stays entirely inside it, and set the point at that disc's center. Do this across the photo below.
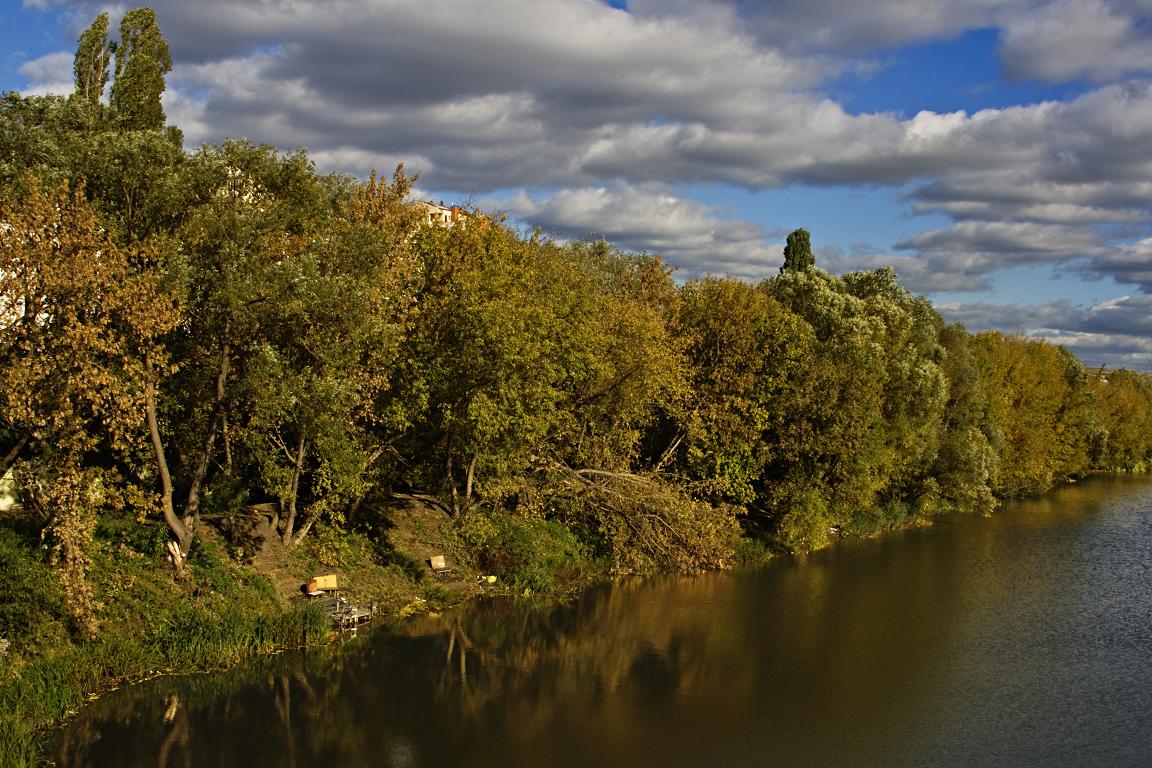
(669, 453)
(293, 491)
(181, 529)
(451, 484)
(12, 455)
(468, 483)
(304, 529)
(192, 506)
(227, 443)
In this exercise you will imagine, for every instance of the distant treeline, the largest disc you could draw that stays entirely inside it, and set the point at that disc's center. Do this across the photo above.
(185, 333)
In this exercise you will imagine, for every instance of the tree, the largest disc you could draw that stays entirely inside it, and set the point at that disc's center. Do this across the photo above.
(251, 209)
(79, 319)
(856, 442)
(1123, 420)
(966, 465)
(297, 291)
(745, 352)
(1039, 407)
(482, 365)
(142, 61)
(798, 252)
(91, 62)
(41, 134)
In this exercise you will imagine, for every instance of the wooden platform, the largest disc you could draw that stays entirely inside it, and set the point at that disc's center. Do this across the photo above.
(342, 614)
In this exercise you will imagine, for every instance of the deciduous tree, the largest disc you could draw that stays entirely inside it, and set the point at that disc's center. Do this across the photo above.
(142, 61)
(91, 63)
(798, 252)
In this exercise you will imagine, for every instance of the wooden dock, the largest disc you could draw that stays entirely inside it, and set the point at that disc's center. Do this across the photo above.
(344, 615)
(325, 591)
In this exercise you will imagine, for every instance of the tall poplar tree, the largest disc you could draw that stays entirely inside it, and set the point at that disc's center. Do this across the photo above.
(798, 252)
(142, 61)
(91, 62)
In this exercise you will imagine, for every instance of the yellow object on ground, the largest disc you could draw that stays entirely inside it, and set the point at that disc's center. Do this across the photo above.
(323, 583)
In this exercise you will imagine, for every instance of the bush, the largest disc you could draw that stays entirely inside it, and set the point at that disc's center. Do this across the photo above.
(526, 553)
(32, 611)
(805, 524)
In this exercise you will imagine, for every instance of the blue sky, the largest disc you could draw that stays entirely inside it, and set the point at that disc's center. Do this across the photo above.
(996, 153)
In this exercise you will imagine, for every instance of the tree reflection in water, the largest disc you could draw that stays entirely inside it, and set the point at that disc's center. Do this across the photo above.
(178, 733)
(916, 649)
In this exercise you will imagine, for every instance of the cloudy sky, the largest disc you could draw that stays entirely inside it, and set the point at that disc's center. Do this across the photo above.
(996, 153)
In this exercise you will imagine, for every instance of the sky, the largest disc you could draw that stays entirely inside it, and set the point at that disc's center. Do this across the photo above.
(996, 153)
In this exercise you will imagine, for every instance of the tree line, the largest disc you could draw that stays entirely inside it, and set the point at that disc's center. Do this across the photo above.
(184, 333)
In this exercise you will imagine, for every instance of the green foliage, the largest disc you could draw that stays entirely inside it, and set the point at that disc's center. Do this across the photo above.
(522, 348)
(747, 354)
(41, 135)
(798, 252)
(134, 180)
(1040, 405)
(805, 523)
(862, 422)
(526, 553)
(220, 614)
(142, 61)
(966, 464)
(31, 618)
(91, 63)
(1121, 433)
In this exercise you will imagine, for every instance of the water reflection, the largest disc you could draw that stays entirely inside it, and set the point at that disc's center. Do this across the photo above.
(1021, 639)
(178, 733)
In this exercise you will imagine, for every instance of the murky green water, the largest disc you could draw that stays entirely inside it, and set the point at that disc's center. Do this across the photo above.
(1024, 639)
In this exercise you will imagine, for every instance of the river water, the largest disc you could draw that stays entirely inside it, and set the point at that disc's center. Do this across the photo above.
(1022, 639)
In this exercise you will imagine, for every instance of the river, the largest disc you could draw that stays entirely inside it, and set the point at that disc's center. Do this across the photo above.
(1020, 639)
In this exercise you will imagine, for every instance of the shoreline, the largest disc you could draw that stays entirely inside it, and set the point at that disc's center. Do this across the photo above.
(42, 695)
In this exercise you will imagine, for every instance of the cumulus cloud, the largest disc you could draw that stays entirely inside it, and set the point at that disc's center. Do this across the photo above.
(575, 93)
(691, 236)
(1117, 332)
(1129, 263)
(49, 74)
(1077, 39)
(1053, 40)
(843, 27)
(598, 114)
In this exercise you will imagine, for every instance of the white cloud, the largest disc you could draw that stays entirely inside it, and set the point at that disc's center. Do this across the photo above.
(1129, 263)
(837, 26)
(1074, 39)
(690, 235)
(51, 74)
(601, 113)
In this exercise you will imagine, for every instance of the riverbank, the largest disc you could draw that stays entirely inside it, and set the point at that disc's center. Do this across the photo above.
(239, 598)
(241, 595)
(921, 647)
(150, 623)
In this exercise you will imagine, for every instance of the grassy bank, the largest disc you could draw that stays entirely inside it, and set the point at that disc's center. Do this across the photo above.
(230, 606)
(150, 623)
